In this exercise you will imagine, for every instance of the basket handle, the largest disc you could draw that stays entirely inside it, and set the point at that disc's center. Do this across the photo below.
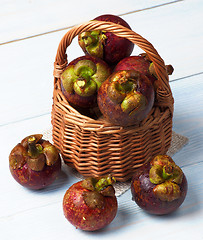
(163, 92)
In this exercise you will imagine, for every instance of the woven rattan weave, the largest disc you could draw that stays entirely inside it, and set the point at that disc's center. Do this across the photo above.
(96, 147)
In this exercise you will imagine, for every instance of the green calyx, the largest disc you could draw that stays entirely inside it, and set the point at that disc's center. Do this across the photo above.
(50, 152)
(167, 176)
(104, 182)
(84, 78)
(169, 69)
(84, 87)
(93, 199)
(90, 38)
(34, 151)
(155, 174)
(92, 43)
(97, 190)
(167, 191)
(41, 154)
(133, 103)
(98, 184)
(85, 69)
(152, 70)
(123, 91)
(27, 149)
(17, 157)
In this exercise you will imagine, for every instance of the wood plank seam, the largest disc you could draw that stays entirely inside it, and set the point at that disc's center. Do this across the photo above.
(69, 27)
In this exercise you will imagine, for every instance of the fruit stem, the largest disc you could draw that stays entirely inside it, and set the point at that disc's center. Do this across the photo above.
(33, 148)
(167, 171)
(81, 82)
(169, 69)
(104, 182)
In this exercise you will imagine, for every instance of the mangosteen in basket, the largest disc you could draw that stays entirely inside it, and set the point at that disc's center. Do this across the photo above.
(81, 80)
(142, 64)
(126, 97)
(106, 45)
(160, 186)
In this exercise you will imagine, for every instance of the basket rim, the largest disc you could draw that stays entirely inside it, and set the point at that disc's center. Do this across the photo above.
(163, 91)
(119, 30)
(101, 126)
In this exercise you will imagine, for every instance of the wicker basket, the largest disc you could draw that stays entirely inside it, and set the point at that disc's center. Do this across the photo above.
(96, 147)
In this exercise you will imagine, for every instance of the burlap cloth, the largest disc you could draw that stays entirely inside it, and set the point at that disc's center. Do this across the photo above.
(178, 141)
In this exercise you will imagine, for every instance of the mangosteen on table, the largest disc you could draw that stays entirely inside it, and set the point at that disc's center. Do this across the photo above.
(34, 162)
(159, 186)
(91, 204)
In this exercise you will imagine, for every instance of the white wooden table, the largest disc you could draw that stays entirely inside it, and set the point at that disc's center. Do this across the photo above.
(30, 31)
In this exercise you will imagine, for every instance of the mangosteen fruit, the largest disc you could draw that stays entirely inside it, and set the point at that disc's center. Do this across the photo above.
(142, 64)
(91, 204)
(126, 97)
(81, 80)
(34, 162)
(106, 45)
(159, 186)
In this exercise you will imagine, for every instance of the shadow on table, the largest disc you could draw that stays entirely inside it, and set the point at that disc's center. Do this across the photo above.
(190, 206)
(132, 215)
(122, 219)
(57, 185)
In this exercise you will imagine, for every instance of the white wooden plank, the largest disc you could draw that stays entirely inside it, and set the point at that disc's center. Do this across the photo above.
(21, 207)
(188, 117)
(27, 18)
(41, 212)
(176, 32)
(47, 219)
(27, 76)
(27, 66)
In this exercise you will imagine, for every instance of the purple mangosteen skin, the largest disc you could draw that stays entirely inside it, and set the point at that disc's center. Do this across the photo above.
(137, 63)
(85, 217)
(36, 179)
(107, 45)
(142, 192)
(115, 48)
(34, 162)
(112, 111)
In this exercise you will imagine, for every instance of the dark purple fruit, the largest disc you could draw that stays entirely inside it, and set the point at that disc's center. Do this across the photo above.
(141, 64)
(90, 204)
(106, 45)
(34, 163)
(126, 98)
(160, 186)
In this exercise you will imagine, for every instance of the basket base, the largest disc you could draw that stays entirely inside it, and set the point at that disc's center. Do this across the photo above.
(121, 175)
